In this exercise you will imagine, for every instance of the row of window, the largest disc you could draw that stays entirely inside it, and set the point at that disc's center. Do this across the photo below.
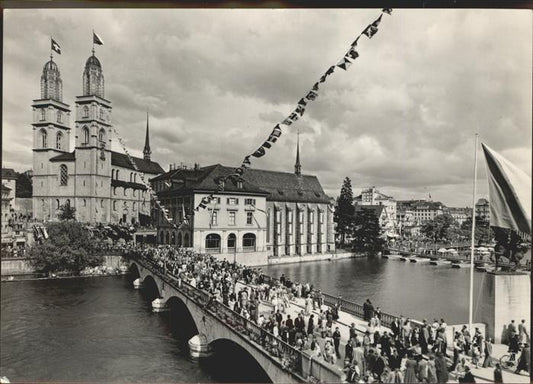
(231, 218)
(44, 139)
(213, 241)
(84, 204)
(86, 113)
(171, 238)
(59, 115)
(143, 194)
(115, 173)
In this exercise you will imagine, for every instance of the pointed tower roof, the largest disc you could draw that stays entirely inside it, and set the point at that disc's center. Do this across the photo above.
(147, 152)
(297, 165)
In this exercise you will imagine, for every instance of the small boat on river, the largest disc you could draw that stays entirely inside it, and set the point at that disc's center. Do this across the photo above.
(460, 264)
(440, 262)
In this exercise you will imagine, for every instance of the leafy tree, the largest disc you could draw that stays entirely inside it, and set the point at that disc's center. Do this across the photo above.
(483, 233)
(344, 210)
(66, 212)
(441, 228)
(24, 187)
(69, 247)
(365, 232)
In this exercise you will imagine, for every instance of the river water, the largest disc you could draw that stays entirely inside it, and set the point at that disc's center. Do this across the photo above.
(415, 290)
(101, 330)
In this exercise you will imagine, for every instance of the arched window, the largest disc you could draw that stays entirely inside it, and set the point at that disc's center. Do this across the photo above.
(43, 114)
(59, 117)
(86, 111)
(179, 240)
(167, 238)
(186, 240)
(131, 176)
(44, 138)
(63, 174)
(173, 238)
(101, 136)
(116, 174)
(59, 137)
(67, 202)
(57, 204)
(114, 190)
(101, 113)
(212, 242)
(84, 202)
(112, 174)
(102, 203)
(85, 136)
(114, 205)
(134, 177)
(248, 242)
(232, 241)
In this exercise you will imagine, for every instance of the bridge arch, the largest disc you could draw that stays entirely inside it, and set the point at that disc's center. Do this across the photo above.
(150, 288)
(181, 322)
(233, 363)
(133, 272)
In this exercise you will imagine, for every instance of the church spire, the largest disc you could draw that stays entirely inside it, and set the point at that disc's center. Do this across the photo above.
(297, 165)
(147, 152)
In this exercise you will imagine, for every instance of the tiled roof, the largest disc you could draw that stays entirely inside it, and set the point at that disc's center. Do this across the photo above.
(278, 186)
(68, 156)
(378, 209)
(9, 174)
(127, 184)
(145, 166)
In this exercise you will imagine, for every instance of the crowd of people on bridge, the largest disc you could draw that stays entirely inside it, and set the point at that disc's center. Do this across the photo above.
(397, 352)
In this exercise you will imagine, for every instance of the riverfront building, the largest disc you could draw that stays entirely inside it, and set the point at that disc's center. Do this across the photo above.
(101, 184)
(263, 215)
(483, 209)
(384, 207)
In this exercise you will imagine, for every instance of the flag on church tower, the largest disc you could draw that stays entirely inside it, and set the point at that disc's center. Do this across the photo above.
(55, 46)
(97, 39)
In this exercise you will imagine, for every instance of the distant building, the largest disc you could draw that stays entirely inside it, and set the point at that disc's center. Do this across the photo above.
(387, 215)
(483, 209)
(421, 210)
(460, 214)
(262, 215)
(101, 184)
(9, 179)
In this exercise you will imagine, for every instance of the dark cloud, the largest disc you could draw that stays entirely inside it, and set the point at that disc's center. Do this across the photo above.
(403, 117)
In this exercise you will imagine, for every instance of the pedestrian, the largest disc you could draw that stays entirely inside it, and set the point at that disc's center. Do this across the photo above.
(410, 369)
(523, 332)
(441, 368)
(468, 377)
(513, 346)
(488, 353)
(337, 341)
(498, 374)
(432, 372)
(511, 330)
(311, 325)
(348, 351)
(523, 362)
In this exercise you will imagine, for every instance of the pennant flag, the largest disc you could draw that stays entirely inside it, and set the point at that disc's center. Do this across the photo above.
(354, 44)
(330, 70)
(287, 121)
(323, 78)
(246, 161)
(312, 95)
(315, 87)
(388, 11)
(276, 132)
(302, 102)
(370, 31)
(300, 109)
(259, 153)
(55, 46)
(294, 116)
(352, 54)
(97, 39)
(509, 193)
(378, 20)
(344, 63)
(266, 144)
(201, 205)
(272, 139)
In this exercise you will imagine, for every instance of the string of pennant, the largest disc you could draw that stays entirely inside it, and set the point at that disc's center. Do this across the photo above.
(344, 63)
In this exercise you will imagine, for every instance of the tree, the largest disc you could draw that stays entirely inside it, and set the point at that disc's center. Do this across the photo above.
(66, 212)
(69, 247)
(365, 232)
(483, 233)
(344, 210)
(24, 187)
(441, 228)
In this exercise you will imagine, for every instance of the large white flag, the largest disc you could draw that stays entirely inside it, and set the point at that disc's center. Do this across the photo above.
(509, 193)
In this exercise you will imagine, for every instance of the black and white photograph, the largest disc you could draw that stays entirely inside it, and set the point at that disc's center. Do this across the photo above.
(265, 195)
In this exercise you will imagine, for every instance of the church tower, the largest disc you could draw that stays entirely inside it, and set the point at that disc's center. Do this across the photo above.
(297, 165)
(93, 146)
(51, 137)
(146, 151)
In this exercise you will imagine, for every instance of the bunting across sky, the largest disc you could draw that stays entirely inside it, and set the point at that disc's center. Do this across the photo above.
(344, 63)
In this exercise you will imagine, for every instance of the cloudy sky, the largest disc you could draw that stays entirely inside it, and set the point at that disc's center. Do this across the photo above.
(402, 117)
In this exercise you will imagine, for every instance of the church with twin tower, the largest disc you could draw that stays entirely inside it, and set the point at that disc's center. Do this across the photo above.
(102, 185)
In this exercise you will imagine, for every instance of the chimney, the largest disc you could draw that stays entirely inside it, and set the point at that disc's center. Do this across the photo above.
(170, 167)
(196, 166)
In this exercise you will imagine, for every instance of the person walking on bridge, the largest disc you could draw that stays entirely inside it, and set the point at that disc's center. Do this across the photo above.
(337, 341)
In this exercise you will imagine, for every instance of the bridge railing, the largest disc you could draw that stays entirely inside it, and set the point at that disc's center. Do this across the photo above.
(289, 357)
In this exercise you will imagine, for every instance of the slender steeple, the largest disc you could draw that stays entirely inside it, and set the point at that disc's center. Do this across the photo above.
(298, 166)
(147, 152)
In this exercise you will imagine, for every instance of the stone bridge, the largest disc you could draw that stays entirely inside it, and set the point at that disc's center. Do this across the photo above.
(207, 323)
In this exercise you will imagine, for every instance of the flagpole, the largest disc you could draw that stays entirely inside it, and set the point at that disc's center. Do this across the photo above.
(471, 297)
(93, 42)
